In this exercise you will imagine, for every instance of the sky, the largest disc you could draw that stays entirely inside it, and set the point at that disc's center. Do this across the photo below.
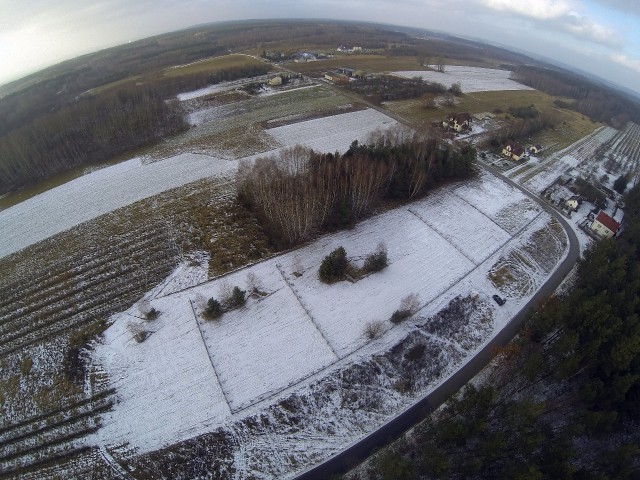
(598, 36)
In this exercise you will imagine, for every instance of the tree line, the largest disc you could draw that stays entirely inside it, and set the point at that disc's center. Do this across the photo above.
(301, 192)
(93, 130)
(563, 401)
(98, 127)
(596, 102)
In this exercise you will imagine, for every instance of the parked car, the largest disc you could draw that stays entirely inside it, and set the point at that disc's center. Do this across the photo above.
(499, 300)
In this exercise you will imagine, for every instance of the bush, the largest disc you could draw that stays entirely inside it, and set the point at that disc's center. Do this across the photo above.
(400, 315)
(620, 185)
(373, 329)
(415, 353)
(377, 261)
(334, 266)
(214, 308)
(238, 298)
(152, 314)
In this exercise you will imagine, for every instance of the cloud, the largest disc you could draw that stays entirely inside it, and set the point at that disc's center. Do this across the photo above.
(587, 29)
(538, 9)
(628, 6)
(626, 61)
(559, 15)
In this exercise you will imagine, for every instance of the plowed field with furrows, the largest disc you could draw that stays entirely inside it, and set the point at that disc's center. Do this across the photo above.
(51, 435)
(75, 292)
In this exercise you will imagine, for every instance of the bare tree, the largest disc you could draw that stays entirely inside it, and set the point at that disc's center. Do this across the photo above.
(373, 329)
(410, 303)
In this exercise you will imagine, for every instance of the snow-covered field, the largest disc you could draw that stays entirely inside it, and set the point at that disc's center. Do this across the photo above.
(335, 133)
(113, 187)
(97, 193)
(471, 79)
(192, 375)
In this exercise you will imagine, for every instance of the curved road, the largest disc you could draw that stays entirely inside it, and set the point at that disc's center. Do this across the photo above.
(358, 452)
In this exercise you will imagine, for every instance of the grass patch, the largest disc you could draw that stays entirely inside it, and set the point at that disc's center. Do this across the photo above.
(369, 63)
(216, 134)
(212, 65)
(572, 126)
(501, 276)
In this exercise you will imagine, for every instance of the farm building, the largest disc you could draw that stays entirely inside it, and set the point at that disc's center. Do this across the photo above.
(604, 225)
(348, 71)
(513, 150)
(336, 78)
(460, 122)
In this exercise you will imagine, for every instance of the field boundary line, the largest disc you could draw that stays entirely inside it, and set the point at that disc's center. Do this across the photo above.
(443, 237)
(113, 463)
(480, 211)
(206, 347)
(284, 277)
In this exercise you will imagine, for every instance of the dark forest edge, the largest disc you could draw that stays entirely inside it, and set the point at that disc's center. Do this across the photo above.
(562, 402)
(97, 128)
(598, 103)
(302, 193)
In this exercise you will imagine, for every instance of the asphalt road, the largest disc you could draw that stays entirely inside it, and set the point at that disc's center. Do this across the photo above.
(358, 452)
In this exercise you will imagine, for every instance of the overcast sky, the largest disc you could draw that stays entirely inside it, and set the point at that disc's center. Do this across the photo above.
(600, 36)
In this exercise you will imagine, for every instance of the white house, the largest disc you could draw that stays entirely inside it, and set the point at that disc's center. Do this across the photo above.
(573, 203)
(604, 225)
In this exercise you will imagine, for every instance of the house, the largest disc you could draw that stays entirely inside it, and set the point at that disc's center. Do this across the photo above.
(604, 225)
(303, 57)
(342, 48)
(460, 122)
(574, 202)
(513, 150)
(534, 149)
(275, 81)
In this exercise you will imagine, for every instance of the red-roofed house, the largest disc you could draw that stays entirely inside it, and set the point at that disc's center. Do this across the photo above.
(604, 225)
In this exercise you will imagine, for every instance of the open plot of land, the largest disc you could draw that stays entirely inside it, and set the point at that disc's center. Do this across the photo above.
(369, 63)
(246, 345)
(149, 411)
(485, 195)
(471, 79)
(416, 252)
(213, 64)
(302, 329)
(113, 187)
(454, 221)
(98, 193)
(335, 133)
(235, 130)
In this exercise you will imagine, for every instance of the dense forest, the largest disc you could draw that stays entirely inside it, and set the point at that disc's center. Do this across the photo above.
(98, 127)
(563, 400)
(302, 192)
(597, 102)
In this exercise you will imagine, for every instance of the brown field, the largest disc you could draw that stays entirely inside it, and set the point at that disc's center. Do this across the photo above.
(212, 64)
(369, 63)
